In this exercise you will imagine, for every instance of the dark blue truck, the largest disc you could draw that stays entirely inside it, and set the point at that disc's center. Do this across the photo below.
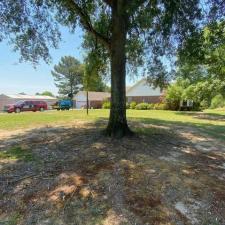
(65, 104)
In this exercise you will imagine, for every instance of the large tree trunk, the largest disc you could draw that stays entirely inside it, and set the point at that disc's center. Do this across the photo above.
(117, 126)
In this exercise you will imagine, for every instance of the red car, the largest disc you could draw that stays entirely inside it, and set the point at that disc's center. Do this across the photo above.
(23, 106)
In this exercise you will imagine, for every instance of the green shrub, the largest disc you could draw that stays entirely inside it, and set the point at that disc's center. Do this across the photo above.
(106, 105)
(160, 106)
(204, 104)
(127, 105)
(172, 105)
(217, 102)
(142, 106)
(133, 105)
(150, 106)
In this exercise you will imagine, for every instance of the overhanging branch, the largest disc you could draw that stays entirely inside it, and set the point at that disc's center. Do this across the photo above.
(86, 22)
(108, 2)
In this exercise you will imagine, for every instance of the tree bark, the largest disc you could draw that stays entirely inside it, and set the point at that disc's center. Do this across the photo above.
(117, 126)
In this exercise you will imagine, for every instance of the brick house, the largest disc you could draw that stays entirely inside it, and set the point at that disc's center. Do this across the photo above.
(143, 92)
(139, 92)
(96, 99)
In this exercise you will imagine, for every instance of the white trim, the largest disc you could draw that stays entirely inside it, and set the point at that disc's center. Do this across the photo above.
(18, 96)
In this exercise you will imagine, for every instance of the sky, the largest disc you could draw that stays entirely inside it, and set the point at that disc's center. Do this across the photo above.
(16, 77)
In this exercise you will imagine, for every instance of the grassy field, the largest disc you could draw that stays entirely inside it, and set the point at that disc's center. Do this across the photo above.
(211, 122)
(32, 119)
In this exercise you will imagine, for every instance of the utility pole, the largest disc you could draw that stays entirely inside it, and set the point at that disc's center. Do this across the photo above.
(87, 103)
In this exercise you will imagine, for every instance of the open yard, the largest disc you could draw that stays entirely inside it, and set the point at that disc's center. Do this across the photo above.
(56, 168)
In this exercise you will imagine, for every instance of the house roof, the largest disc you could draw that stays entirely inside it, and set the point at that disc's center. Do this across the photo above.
(94, 95)
(136, 84)
(19, 96)
(142, 88)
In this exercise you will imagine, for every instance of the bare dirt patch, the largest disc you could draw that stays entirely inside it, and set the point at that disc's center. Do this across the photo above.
(81, 177)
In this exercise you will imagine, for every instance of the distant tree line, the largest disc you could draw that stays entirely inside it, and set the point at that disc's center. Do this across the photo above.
(46, 93)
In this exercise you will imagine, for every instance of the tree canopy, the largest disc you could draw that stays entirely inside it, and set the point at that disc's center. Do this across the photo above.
(68, 75)
(205, 57)
(94, 73)
(202, 92)
(152, 27)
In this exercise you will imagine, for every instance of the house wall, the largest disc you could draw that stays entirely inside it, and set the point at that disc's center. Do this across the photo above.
(147, 99)
(92, 104)
(80, 97)
(96, 104)
(81, 102)
(5, 100)
(142, 92)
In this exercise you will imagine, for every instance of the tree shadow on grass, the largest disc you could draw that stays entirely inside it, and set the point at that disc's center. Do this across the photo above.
(212, 130)
(82, 177)
(204, 116)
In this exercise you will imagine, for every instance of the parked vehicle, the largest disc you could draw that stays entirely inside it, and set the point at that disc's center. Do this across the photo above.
(24, 106)
(64, 104)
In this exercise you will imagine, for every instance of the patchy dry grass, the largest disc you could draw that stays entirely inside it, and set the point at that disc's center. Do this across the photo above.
(64, 172)
(70, 174)
(16, 153)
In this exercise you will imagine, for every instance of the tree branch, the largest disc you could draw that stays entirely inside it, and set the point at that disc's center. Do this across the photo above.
(108, 2)
(86, 22)
(134, 5)
(140, 2)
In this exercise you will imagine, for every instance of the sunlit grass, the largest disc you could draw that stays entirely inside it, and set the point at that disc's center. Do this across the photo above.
(33, 119)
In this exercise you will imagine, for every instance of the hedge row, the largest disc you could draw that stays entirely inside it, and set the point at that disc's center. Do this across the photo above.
(140, 106)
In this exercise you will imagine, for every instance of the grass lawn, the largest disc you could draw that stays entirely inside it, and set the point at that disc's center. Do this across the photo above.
(211, 122)
(32, 119)
(65, 172)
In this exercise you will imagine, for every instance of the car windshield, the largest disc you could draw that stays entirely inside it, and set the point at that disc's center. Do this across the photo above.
(19, 102)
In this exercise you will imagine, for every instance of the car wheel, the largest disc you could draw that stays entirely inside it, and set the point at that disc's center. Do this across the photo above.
(42, 109)
(17, 110)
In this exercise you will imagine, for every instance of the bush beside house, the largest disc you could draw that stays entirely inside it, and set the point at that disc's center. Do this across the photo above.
(133, 105)
(106, 105)
(217, 102)
(140, 106)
